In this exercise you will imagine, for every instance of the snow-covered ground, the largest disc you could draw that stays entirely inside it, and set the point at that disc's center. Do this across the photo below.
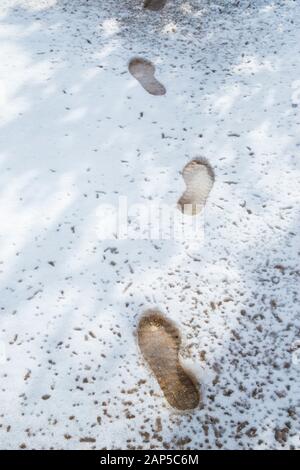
(77, 132)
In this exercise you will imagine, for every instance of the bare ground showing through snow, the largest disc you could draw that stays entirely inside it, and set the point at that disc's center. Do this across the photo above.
(77, 132)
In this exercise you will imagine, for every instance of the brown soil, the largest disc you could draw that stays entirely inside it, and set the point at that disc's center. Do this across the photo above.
(143, 71)
(159, 341)
(199, 179)
(154, 5)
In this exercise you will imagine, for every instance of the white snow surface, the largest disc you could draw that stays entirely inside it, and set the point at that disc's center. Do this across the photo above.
(78, 131)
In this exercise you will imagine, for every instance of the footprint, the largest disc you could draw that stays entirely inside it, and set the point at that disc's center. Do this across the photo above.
(143, 70)
(159, 341)
(199, 179)
(154, 5)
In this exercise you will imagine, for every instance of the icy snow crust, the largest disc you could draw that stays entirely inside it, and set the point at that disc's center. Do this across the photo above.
(78, 131)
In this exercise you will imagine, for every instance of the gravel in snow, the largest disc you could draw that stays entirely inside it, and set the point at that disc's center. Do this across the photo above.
(79, 131)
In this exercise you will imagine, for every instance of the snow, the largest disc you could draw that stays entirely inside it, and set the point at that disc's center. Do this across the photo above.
(79, 132)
